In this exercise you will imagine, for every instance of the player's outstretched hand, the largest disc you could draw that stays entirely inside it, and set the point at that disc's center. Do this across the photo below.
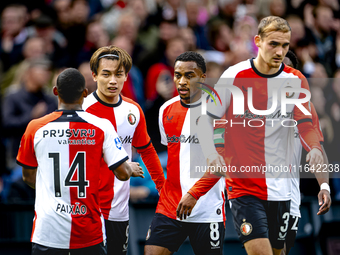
(137, 170)
(185, 206)
(314, 158)
(325, 201)
(217, 165)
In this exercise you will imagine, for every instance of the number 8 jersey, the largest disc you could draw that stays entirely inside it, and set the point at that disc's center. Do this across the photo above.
(66, 147)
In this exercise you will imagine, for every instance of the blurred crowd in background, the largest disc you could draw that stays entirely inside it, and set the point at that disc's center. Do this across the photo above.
(40, 38)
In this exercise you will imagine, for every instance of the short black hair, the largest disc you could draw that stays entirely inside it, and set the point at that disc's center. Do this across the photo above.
(193, 56)
(70, 85)
(293, 58)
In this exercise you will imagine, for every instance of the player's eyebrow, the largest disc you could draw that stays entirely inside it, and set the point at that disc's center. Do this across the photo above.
(105, 70)
(186, 73)
(278, 43)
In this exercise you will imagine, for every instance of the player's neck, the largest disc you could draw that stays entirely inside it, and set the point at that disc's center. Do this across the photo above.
(69, 107)
(263, 67)
(191, 100)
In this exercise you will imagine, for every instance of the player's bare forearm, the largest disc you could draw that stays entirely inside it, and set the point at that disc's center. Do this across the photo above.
(324, 196)
(315, 158)
(123, 172)
(323, 176)
(29, 176)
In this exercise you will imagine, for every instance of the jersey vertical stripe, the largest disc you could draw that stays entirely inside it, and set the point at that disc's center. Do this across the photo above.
(260, 143)
(177, 124)
(128, 121)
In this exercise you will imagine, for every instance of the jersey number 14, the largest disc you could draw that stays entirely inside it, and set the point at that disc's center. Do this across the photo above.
(78, 163)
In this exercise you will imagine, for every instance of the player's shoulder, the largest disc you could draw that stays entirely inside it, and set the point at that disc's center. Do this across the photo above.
(130, 102)
(36, 124)
(232, 71)
(290, 71)
(88, 101)
(92, 119)
(170, 102)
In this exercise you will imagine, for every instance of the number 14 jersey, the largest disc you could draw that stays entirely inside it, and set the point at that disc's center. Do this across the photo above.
(66, 147)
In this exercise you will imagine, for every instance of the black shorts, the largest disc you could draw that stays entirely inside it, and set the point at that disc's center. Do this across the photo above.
(291, 233)
(256, 218)
(205, 238)
(117, 237)
(99, 249)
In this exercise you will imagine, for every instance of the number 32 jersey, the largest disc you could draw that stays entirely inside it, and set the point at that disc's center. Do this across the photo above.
(67, 147)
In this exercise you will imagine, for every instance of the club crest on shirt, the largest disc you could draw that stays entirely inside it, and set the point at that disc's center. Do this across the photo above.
(288, 94)
(246, 228)
(118, 143)
(131, 118)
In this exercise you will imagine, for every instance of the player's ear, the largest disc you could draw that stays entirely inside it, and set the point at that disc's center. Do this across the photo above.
(94, 76)
(126, 76)
(257, 40)
(85, 92)
(55, 91)
(203, 77)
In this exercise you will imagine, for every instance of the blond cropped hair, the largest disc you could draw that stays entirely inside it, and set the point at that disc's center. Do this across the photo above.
(272, 24)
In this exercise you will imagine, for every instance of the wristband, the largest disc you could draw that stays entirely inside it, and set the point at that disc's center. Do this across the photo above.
(325, 186)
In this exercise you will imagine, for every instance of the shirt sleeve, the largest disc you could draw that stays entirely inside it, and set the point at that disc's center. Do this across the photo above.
(141, 138)
(203, 185)
(152, 163)
(316, 124)
(113, 151)
(26, 155)
(164, 140)
(308, 136)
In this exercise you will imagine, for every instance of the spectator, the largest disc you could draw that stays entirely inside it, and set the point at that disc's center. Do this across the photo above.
(226, 11)
(220, 35)
(189, 37)
(134, 85)
(74, 27)
(298, 30)
(148, 29)
(319, 101)
(28, 103)
(85, 70)
(159, 87)
(168, 30)
(13, 34)
(200, 31)
(324, 37)
(334, 148)
(34, 48)
(214, 70)
(54, 42)
(96, 37)
(128, 27)
(277, 8)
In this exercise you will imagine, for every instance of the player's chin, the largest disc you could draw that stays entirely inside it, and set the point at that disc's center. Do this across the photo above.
(185, 97)
(112, 93)
(276, 64)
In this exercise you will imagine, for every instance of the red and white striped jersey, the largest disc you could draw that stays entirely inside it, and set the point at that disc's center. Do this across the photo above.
(260, 147)
(128, 119)
(296, 196)
(67, 147)
(177, 123)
